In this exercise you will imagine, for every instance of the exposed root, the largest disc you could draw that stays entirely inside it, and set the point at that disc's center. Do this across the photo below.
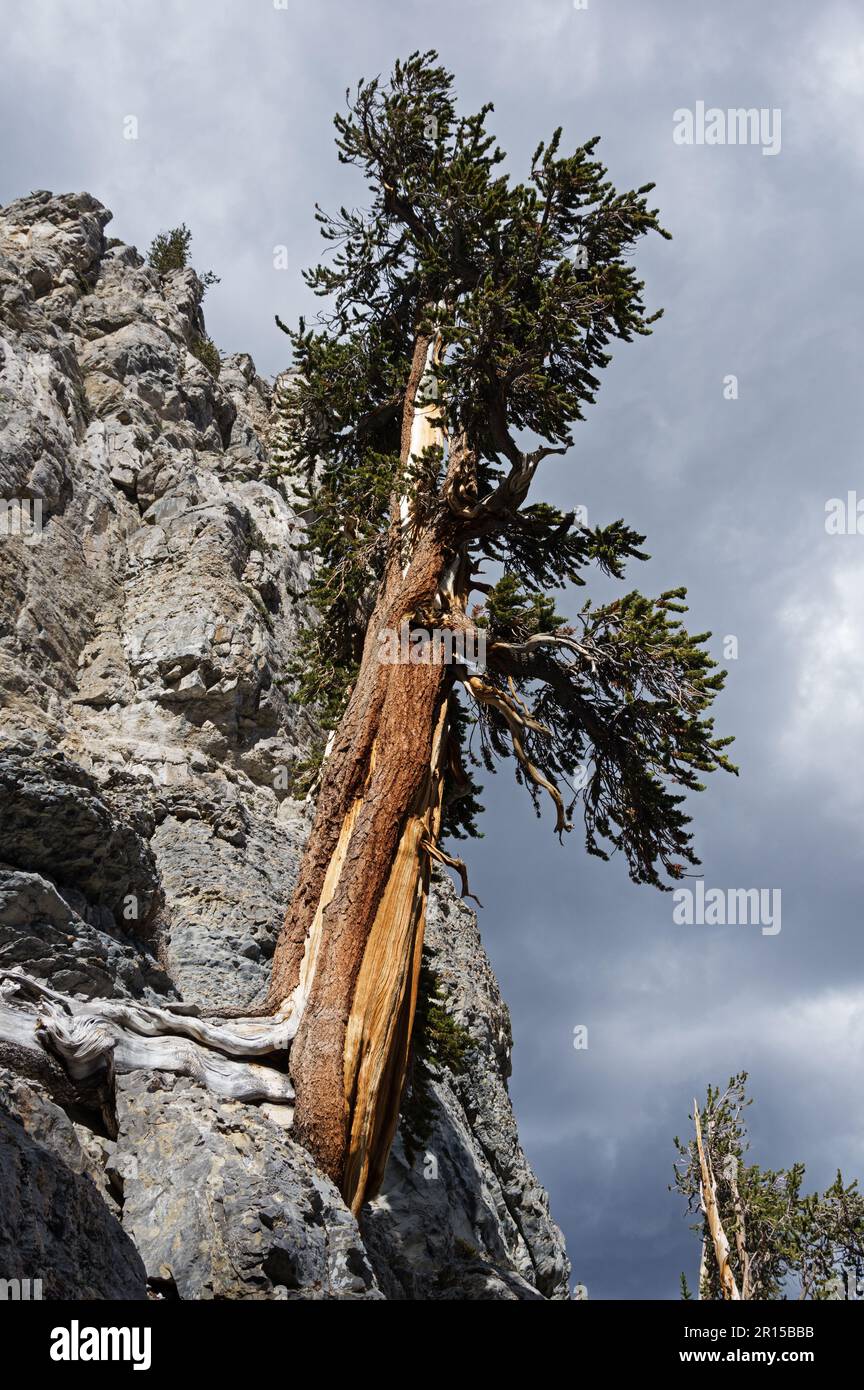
(246, 1039)
(104, 1037)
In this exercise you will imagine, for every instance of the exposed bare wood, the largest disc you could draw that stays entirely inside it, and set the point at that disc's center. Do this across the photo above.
(379, 1030)
(245, 1038)
(97, 1038)
(708, 1194)
(731, 1176)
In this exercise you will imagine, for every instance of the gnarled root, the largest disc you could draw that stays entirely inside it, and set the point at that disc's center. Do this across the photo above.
(103, 1037)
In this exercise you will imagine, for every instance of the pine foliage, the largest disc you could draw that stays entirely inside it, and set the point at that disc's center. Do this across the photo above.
(530, 284)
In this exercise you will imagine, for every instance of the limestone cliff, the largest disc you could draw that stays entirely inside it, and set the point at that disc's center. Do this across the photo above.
(148, 838)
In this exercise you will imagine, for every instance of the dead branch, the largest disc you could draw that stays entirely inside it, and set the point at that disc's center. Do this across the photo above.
(708, 1196)
(517, 722)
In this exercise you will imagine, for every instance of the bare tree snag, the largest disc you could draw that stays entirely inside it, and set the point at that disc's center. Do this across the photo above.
(740, 1227)
(712, 1216)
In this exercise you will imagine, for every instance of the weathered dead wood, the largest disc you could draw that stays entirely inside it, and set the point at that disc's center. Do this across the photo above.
(518, 718)
(708, 1193)
(104, 1037)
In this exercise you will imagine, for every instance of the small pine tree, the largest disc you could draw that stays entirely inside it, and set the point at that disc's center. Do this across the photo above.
(170, 251)
(207, 353)
(781, 1242)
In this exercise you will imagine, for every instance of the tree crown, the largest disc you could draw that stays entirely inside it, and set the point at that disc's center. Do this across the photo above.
(523, 287)
(782, 1241)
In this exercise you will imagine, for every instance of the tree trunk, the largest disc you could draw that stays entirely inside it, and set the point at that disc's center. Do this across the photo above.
(347, 962)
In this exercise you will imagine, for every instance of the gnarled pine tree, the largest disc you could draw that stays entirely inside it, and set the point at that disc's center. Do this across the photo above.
(468, 318)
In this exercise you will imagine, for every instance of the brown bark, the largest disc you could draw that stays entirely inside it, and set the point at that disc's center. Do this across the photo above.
(348, 957)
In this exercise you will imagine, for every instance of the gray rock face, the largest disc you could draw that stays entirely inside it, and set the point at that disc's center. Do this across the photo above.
(468, 1218)
(148, 839)
(57, 818)
(40, 929)
(222, 1204)
(55, 1225)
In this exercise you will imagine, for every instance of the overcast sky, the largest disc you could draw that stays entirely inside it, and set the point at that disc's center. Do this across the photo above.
(234, 100)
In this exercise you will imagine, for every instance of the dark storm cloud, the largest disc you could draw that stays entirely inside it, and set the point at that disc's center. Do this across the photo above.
(234, 102)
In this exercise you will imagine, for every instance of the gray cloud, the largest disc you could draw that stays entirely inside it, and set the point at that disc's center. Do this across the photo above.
(234, 101)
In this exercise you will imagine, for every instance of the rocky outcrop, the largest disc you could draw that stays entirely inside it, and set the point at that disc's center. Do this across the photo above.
(58, 1220)
(149, 839)
(468, 1213)
(221, 1203)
